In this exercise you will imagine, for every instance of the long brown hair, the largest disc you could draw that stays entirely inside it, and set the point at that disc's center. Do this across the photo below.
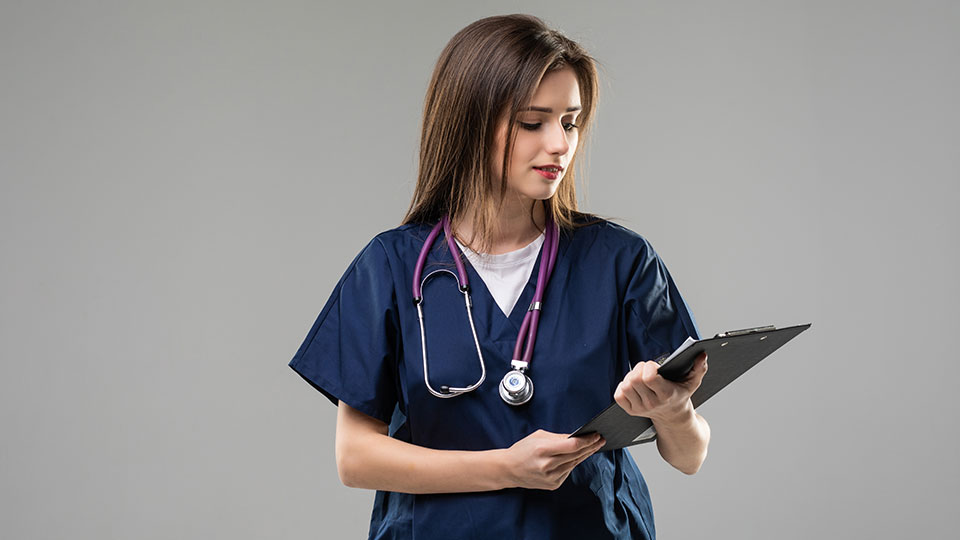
(489, 71)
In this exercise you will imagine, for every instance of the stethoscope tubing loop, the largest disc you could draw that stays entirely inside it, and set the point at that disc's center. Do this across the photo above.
(449, 391)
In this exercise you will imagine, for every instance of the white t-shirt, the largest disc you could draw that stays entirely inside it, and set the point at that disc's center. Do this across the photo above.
(505, 274)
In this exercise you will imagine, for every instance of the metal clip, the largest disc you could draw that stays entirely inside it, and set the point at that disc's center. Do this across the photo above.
(746, 331)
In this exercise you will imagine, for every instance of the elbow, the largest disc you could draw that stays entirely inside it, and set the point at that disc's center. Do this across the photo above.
(347, 479)
(344, 472)
(692, 464)
(692, 467)
(356, 435)
(348, 468)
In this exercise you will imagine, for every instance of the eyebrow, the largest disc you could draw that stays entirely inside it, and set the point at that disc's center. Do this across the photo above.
(549, 110)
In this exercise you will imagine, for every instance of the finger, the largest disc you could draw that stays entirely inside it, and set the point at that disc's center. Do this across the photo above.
(586, 441)
(589, 450)
(570, 445)
(563, 478)
(697, 372)
(645, 386)
(596, 447)
(628, 399)
(650, 399)
(657, 385)
(575, 459)
(701, 365)
(586, 455)
(586, 451)
(563, 469)
(593, 450)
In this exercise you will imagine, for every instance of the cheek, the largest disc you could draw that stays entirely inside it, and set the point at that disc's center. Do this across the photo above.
(525, 151)
(572, 139)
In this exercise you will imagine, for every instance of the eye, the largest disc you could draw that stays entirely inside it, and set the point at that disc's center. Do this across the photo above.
(530, 127)
(570, 126)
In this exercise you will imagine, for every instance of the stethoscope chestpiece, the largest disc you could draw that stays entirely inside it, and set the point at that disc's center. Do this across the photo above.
(516, 388)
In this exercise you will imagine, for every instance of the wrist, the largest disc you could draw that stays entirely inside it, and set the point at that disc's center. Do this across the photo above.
(502, 469)
(677, 418)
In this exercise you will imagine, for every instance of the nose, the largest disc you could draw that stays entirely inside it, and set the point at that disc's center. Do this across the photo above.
(557, 142)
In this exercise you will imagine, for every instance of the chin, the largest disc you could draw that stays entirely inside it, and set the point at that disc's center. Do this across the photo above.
(549, 192)
(544, 191)
(540, 195)
(537, 189)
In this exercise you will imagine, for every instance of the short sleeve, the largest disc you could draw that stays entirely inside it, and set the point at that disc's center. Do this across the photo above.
(350, 353)
(658, 318)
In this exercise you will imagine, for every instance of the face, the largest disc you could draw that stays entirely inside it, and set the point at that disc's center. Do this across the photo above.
(545, 141)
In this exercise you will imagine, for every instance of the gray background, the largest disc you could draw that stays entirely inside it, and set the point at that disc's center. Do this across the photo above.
(184, 182)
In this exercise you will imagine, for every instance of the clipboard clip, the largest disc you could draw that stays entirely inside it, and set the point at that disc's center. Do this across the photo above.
(746, 331)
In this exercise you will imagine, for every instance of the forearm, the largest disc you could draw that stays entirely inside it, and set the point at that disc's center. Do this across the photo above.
(682, 440)
(369, 458)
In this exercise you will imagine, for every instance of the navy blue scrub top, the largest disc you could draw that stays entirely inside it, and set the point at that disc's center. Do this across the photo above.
(610, 304)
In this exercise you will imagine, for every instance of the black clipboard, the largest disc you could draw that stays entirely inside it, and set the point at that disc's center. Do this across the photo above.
(729, 355)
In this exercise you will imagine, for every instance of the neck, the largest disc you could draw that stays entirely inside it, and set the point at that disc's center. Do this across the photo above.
(512, 228)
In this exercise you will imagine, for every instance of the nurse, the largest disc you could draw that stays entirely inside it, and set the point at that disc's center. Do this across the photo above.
(495, 226)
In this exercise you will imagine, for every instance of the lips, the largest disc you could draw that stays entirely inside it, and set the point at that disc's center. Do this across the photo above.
(550, 172)
(554, 169)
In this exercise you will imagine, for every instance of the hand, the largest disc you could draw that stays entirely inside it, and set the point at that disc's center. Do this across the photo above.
(543, 460)
(643, 392)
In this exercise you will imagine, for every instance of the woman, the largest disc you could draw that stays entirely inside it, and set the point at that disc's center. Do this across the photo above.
(406, 341)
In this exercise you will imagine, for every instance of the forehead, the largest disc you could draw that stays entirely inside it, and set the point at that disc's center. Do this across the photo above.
(557, 89)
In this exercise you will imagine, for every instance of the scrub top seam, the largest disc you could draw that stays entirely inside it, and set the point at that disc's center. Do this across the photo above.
(647, 252)
(399, 335)
(386, 256)
(324, 313)
(646, 326)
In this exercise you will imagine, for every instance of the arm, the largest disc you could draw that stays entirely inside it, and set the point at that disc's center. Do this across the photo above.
(367, 457)
(682, 434)
(683, 441)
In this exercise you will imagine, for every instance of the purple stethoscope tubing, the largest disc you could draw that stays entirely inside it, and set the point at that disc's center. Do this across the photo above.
(464, 285)
(444, 225)
(532, 318)
(514, 395)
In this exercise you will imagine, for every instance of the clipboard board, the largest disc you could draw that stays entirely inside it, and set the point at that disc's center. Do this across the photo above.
(729, 354)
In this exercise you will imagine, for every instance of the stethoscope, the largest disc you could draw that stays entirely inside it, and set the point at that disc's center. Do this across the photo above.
(516, 388)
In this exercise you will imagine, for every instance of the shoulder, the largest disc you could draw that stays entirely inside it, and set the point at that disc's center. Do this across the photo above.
(596, 233)
(399, 241)
(386, 250)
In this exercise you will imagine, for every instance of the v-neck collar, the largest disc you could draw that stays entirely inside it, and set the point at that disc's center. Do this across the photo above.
(502, 327)
(492, 324)
(497, 319)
